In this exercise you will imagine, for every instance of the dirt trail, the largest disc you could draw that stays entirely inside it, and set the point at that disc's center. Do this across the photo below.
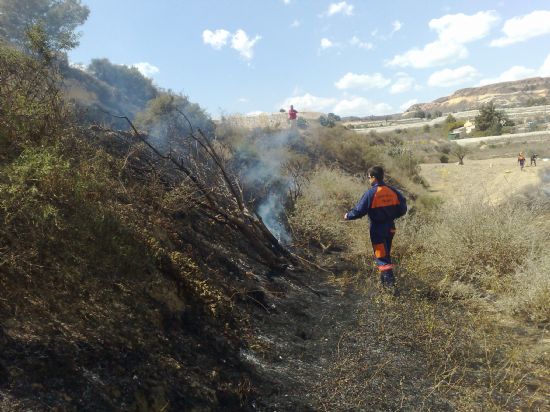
(496, 178)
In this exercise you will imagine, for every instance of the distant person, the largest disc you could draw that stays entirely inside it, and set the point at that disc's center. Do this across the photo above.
(292, 115)
(383, 204)
(521, 160)
(534, 159)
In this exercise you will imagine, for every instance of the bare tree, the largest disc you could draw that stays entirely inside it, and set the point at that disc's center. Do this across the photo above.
(460, 152)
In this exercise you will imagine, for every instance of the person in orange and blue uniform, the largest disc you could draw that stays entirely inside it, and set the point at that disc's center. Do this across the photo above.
(382, 204)
(521, 160)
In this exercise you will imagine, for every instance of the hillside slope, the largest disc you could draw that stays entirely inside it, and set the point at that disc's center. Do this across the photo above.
(505, 94)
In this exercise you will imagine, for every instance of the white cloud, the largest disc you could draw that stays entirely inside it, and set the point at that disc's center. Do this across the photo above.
(513, 73)
(343, 7)
(326, 43)
(355, 41)
(452, 77)
(461, 28)
(239, 41)
(408, 104)
(254, 113)
(286, 1)
(295, 23)
(217, 39)
(403, 84)
(308, 102)
(396, 26)
(359, 106)
(519, 72)
(147, 69)
(243, 44)
(519, 29)
(347, 106)
(242, 100)
(453, 30)
(433, 54)
(362, 81)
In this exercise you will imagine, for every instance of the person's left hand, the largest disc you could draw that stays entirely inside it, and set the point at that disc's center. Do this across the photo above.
(346, 216)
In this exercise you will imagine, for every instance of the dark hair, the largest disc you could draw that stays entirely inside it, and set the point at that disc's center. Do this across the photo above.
(376, 172)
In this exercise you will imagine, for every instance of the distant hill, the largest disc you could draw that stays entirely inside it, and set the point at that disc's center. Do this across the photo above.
(526, 92)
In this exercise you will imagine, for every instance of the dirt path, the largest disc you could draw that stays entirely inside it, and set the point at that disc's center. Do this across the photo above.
(496, 179)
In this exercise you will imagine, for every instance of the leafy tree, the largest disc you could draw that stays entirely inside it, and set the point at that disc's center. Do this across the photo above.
(326, 121)
(455, 125)
(31, 108)
(171, 117)
(334, 117)
(420, 113)
(302, 123)
(128, 80)
(450, 119)
(59, 19)
(491, 120)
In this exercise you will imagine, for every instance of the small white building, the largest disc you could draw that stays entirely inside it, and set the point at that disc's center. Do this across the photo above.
(469, 126)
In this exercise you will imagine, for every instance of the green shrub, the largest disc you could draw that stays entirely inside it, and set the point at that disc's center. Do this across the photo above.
(30, 100)
(444, 158)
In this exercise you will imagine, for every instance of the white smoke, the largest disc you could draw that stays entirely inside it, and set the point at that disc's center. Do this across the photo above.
(266, 171)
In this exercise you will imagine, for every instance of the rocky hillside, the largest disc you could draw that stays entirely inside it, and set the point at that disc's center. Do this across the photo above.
(508, 94)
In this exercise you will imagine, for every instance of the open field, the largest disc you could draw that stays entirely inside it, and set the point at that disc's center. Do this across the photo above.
(496, 178)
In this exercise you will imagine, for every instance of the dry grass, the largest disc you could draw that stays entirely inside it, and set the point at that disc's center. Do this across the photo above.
(470, 274)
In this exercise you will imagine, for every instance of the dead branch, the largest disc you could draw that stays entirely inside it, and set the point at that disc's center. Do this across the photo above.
(242, 219)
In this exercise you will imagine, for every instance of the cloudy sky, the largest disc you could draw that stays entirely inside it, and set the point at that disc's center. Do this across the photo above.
(353, 57)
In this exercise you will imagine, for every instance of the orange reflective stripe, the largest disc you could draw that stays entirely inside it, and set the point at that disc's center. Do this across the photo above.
(385, 267)
(383, 197)
(379, 250)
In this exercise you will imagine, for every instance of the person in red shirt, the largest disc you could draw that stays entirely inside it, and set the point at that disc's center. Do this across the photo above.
(292, 114)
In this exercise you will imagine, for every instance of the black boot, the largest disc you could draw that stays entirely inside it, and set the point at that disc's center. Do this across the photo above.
(388, 283)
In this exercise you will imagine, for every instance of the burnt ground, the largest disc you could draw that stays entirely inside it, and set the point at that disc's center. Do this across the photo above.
(337, 342)
(337, 345)
(315, 341)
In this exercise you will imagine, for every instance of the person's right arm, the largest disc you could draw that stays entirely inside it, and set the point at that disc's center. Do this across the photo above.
(361, 208)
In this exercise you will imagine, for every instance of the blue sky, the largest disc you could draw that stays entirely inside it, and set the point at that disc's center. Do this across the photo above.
(353, 57)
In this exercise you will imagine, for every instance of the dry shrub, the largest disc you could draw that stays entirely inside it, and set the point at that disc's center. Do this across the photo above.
(318, 215)
(529, 295)
(352, 152)
(475, 242)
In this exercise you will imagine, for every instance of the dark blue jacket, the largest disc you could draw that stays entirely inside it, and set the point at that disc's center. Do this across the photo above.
(382, 204)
